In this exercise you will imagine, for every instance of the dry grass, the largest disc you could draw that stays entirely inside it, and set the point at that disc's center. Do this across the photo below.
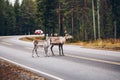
(30, 39)
(111, 44)
(9, 71)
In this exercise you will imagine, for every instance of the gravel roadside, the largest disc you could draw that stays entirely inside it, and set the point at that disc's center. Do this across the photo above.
(9, 71)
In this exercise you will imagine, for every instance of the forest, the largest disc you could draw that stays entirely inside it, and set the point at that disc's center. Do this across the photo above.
(85, 20)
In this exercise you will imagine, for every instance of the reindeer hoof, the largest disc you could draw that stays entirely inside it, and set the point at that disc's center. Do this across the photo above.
(60, 55)
(46, 56)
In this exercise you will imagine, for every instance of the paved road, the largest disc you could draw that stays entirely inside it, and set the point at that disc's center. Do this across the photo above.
(78, 63)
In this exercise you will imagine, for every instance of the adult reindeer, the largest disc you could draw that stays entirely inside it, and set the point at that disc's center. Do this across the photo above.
(59, 41)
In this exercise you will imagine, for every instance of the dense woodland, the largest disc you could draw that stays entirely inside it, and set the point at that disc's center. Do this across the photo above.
(84, 19)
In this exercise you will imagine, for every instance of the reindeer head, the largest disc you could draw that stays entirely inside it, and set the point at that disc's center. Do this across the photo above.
(67, 36)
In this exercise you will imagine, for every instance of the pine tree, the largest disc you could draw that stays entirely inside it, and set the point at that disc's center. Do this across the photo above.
(7, 18)
(47, 9)
(106, 19)
(17, 17)
(116, 17)
(28, 16)
(2, 17)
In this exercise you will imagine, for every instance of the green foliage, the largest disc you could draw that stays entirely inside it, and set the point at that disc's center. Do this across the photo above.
(7, 18)
(47, 15)
(75, 16)
(28, 16)
(17, 11)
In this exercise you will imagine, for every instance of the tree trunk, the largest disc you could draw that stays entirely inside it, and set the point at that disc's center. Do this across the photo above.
(94, 28)
(115, 30)
(72, 22)
(59, 18)
(98, 5)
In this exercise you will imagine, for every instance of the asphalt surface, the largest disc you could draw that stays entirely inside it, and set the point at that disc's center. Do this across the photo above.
(78, 63)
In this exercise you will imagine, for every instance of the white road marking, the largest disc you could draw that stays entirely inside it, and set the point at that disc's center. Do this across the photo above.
(93, 59)
(6, 43)
(90, 59)
(41, 72)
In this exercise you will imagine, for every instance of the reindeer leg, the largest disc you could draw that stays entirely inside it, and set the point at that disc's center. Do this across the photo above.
(46, 51)
(33, 51)
(62, 49)
(52, 50)
(36, 51)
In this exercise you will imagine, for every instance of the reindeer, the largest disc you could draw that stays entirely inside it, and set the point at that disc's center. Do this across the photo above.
(45, 45)
(59, 41)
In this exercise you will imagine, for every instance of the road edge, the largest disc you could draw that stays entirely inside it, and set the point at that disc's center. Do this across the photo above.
(49, 76)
